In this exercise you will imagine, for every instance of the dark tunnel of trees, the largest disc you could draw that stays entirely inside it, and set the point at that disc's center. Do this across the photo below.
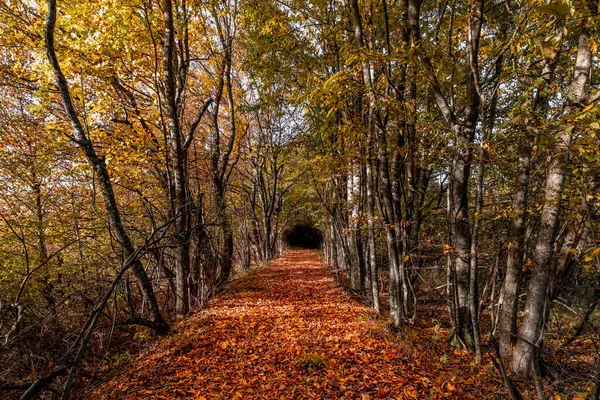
(305, 236)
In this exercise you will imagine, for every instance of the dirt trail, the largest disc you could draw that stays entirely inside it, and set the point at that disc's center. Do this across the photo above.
(287, 332)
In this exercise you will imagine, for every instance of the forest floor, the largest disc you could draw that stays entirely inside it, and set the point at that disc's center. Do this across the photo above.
(287, 331)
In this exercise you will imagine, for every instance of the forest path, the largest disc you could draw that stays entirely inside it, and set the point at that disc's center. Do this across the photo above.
(284, 332)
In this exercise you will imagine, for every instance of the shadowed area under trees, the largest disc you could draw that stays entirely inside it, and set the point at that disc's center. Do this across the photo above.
(162, 162)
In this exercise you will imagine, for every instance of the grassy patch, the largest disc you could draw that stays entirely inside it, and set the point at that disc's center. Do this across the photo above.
(312, 361)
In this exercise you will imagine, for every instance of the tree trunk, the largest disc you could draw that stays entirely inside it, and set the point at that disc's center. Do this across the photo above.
(83, 142)
(464, 133)
(182, 236)
(371, 237)
(397, 312)
(507, 320)
(354, 201)
(530, 331)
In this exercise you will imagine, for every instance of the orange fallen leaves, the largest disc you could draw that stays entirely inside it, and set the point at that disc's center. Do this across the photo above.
(287, 332)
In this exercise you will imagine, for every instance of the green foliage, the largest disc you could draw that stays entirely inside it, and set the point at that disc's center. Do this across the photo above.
(312, 361)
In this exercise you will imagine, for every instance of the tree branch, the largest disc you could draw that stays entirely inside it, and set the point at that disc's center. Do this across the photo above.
(190, 137)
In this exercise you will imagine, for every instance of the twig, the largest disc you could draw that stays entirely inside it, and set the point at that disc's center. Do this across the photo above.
(513, 391)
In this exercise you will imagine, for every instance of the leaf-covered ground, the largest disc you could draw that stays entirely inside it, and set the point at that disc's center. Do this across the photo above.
(287, 332)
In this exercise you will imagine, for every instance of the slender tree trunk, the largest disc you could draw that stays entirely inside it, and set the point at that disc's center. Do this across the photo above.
(182, 207)
(371, 236)
(507, 320)
(221, 152)
(99, 166)
(42, 247)
(488, 127)
(462, 235)
(464, 133)
(509, 295)
(397, 312)
(530, 331)
(473, 281)
(354, 201)
(225, 257)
